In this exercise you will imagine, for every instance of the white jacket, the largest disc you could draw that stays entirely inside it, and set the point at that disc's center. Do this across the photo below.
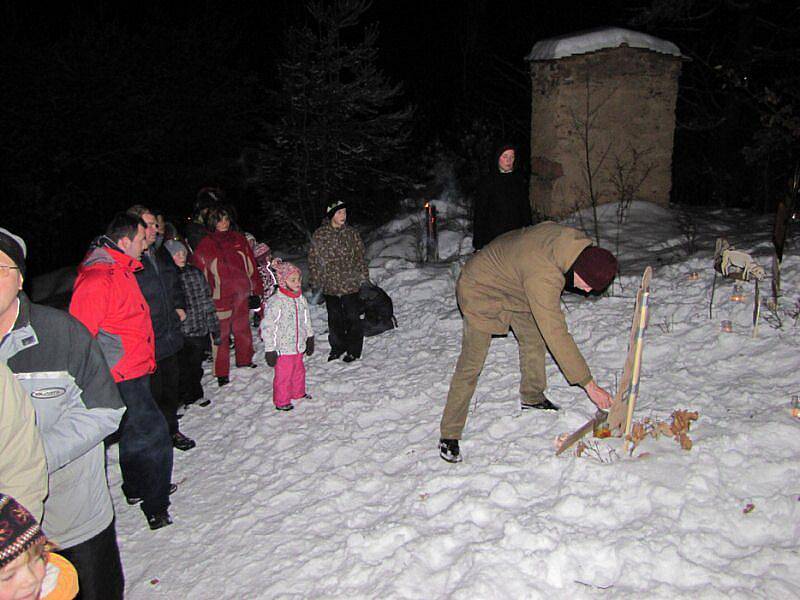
(286, 324)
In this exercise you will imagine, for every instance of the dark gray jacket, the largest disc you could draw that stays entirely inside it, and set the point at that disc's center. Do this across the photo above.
(77, 406)
(161, 287)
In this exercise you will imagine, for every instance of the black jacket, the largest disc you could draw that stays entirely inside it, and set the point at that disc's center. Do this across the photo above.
(501, 204)
(195, 232)
(161, 287)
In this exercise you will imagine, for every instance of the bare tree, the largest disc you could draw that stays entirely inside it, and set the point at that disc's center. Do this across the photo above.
(593, 157)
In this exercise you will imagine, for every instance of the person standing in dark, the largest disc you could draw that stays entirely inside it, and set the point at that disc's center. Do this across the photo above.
(199, 328)
(159, 280)
(107, 299)
(68, 383)
(501, 202)
(339, 268)
(197, 228)
(227, 261)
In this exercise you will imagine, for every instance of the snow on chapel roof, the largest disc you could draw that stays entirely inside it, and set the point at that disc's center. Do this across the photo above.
(597, 39)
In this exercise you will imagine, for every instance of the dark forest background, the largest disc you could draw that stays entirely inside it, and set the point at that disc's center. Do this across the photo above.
(109, 104)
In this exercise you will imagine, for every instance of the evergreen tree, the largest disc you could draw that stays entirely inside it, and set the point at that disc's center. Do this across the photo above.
(341, 127)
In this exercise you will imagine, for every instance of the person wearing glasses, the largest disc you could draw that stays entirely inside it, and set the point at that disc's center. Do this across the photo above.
(65, 374)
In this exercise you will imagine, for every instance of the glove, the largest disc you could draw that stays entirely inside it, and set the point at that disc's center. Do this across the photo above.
(271, 358)
(253, 302)
(310, 345)
(216, 340)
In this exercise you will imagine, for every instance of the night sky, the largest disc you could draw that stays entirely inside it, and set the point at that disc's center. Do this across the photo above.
(459, 62)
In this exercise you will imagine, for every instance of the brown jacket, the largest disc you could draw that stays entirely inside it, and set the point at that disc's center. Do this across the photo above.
(336, 260)
(523, 271)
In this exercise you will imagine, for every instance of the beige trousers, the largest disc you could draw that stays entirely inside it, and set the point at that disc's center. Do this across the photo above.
(474, 348)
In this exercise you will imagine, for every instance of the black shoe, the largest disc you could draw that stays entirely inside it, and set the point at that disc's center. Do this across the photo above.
(181, 442)
(449, 450)
(348, 358)
(285, 407)
(251, 365)
(222, 381)
(173, 487)
(159, 520)
(545, 404)
(334, 356)
(204, 402)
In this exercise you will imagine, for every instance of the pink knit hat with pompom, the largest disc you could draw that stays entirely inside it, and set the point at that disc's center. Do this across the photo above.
(284, 270)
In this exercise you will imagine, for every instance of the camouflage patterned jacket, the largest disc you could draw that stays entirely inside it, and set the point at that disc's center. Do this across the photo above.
(336, 260)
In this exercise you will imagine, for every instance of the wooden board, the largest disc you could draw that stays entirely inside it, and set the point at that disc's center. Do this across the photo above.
(599, 417)
(620, 414)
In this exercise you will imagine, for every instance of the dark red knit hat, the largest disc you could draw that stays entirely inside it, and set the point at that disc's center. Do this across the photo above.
(596, 266)
(18, 530)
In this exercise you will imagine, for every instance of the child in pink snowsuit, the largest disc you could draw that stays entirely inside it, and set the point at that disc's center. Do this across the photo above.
(287, 335)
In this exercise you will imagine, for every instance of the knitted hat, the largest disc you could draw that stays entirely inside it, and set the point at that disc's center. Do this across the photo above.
(333, 208)
(284, 270)
(261, 249)
(596, 266)
(14, 246)
(18, 530)
(175, 246)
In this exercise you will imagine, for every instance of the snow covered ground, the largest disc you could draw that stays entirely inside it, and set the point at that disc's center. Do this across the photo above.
(346, 496)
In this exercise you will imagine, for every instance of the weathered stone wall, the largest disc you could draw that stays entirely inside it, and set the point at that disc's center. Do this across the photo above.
(615, 107)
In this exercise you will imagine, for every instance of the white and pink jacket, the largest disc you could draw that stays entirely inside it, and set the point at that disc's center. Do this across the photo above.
(286, 323)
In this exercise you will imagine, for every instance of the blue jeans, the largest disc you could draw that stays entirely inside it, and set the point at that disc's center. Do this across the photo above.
(145, 447)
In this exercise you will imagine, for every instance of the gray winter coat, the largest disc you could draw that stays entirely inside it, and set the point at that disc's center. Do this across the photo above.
(77, 406)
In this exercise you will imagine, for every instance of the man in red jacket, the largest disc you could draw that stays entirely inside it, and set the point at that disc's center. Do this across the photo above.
(108, 301)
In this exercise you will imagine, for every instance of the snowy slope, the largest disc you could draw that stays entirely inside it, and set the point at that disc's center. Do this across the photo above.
(346, 497)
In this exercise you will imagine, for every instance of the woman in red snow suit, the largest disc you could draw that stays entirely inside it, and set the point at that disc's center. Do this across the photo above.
(228, 264)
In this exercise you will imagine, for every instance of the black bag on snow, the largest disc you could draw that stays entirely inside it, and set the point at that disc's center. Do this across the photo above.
(378, 310)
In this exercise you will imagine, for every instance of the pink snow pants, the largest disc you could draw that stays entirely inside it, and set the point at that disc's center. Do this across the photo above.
(290, 379)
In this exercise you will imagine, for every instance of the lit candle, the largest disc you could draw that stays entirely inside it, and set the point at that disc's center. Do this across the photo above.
(738, 294)
(727, 326)
(693, 276)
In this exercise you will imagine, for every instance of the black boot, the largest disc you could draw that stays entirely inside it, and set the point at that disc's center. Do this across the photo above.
(449, 450)
(159, 520)
(181, 442)
(543, 404)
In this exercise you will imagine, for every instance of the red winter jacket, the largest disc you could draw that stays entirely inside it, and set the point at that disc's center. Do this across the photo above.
(106, 298)
(229, 265)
